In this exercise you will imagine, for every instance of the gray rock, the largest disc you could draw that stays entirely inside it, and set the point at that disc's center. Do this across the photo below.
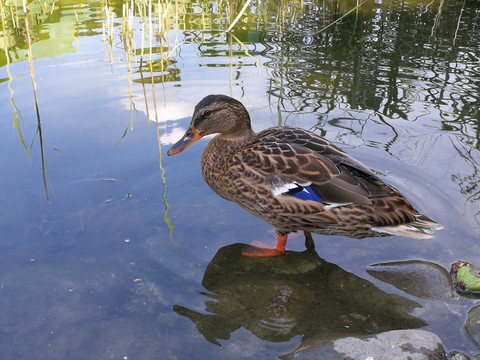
(472, 323)
(455, 355)
(422, 279)
(390, 345)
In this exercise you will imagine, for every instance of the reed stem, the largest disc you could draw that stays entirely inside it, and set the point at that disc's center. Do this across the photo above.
(34, 86)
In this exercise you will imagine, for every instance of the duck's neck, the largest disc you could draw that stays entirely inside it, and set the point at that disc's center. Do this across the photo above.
(218, 151)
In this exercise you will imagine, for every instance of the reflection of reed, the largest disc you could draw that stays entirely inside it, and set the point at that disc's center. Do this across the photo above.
(388, 71)
(15, 19)
(129, 47)
(468, 183)
(16, 122)
(257, 64)
(108, 32)
(239, 15)
(76, 30)
(458, 22)
(325, 27)
(34, 87)
(162, 169)
(166, 218)
(154, 99)
(438, 16)
(149, 32)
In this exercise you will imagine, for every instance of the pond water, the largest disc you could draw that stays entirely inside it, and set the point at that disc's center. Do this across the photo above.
(111, 249)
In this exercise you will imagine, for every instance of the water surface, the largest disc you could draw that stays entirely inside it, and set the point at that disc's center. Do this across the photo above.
(111, 249)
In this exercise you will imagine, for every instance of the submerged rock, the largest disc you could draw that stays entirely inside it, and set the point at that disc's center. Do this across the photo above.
(423, 279)
(472, 323)
(390, 345)
(456, 355)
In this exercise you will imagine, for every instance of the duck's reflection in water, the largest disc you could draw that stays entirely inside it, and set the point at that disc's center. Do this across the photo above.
(298, 294)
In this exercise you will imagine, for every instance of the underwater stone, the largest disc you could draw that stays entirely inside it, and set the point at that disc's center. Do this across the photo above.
(422, 279)
(390, 345)
(472, 323)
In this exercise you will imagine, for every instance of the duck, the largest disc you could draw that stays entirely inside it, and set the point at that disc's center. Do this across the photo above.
(295, 180)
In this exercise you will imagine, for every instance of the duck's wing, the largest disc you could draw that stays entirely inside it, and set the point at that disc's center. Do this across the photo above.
(317, 144)
(297, 163)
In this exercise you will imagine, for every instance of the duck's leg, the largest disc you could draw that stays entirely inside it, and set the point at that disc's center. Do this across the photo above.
(309, 244)
(263, 252)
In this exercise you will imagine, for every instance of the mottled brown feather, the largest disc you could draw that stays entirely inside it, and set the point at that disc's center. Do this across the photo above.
(240, 166)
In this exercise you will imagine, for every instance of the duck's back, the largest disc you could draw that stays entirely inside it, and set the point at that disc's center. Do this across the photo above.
(297, 180)
(352, 177)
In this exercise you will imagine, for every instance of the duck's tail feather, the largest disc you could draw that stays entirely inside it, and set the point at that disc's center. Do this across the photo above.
(422, 228)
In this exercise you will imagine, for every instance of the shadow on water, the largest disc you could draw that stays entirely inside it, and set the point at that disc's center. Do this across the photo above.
(277, 299)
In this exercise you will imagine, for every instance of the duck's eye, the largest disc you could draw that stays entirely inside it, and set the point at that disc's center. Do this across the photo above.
(207, 113)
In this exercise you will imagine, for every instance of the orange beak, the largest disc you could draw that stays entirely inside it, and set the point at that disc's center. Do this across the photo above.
(190, 136)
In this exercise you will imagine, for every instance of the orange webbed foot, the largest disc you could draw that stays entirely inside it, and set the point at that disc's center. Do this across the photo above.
(254, 251)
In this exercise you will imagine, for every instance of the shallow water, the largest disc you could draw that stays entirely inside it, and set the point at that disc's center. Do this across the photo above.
(124, 252)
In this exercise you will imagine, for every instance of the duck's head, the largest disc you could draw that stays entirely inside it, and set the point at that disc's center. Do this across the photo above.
(215, 114)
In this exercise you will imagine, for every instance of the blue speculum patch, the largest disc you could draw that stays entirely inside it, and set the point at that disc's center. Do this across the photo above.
(305, 193)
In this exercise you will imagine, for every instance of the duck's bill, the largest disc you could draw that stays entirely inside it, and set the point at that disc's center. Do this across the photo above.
(191, 135)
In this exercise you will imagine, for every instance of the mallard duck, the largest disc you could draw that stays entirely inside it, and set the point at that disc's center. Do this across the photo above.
(295, 180)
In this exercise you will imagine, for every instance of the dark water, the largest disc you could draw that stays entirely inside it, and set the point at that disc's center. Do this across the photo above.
(119, 251)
